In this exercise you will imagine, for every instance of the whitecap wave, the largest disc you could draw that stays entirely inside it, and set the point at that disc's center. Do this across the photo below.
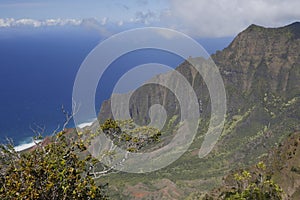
(25, 146)
(88, 123)
(28, 145)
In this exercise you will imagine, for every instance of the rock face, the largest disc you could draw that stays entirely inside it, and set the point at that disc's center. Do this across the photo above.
(261, 73)
(263, 57)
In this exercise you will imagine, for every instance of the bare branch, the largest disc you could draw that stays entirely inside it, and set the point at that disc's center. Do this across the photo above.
(68, 116)
(56, 130)
(38, 130)
(110, 170)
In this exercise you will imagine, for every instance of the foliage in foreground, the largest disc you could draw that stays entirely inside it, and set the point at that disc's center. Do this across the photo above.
(52, 171)
(61, 168)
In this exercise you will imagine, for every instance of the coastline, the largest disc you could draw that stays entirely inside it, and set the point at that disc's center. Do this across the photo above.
(25, 146)
(31, 144)
(86, 124)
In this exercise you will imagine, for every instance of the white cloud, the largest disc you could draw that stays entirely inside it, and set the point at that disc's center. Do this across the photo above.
(10, 22)
(145, 17)
(6, 22)
(197, 18)
(104, 20)
(28, 22)
(90, 23)
(94, 24)
(227, 17)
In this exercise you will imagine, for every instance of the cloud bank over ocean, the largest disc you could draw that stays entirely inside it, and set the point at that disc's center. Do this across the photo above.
(11, 22)
(196, 18)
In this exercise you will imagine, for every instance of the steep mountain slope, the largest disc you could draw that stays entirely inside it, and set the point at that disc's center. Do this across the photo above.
(284, 164)
(280, 165)
(261, 72)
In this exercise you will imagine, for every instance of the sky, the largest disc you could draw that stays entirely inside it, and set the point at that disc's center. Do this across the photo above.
(197, 18)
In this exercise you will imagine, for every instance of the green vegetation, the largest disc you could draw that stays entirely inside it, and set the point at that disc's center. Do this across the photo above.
(253, 184)
(125, 134)
(256, 185)
(51, 171)
(60, 167)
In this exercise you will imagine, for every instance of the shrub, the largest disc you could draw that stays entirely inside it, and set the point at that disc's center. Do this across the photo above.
(52, 171)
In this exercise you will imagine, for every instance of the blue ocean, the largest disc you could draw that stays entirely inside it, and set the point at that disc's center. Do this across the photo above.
(38, 67)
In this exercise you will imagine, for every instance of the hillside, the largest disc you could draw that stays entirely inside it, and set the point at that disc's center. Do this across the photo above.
(261, 73)
(281, 166)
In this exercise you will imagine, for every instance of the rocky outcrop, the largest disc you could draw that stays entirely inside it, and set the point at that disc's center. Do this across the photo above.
(263, 58)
